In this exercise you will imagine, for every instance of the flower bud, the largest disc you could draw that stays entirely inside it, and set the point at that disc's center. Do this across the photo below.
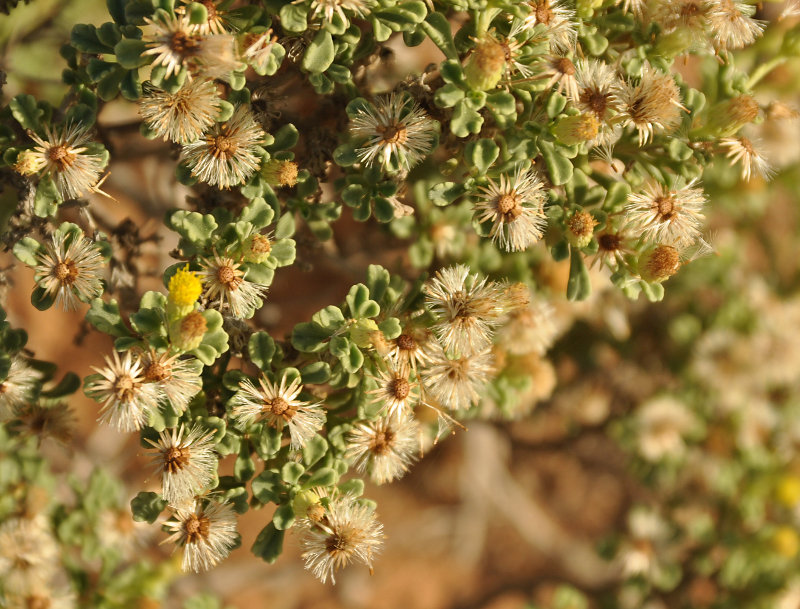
(485, 66)
(28, 163)
(361, 332)
(280, 173)
(576, 129)
(306, 504)
(659, 263)
(256, 248)
(580, 228)
(187, 333)
(726, 118)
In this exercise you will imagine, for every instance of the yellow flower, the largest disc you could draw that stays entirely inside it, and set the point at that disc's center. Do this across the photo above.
(185, 288)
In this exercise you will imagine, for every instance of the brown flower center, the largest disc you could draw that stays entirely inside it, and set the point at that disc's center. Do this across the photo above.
(399, 388)
(543, 12)
(229, 278)
(193, 325)
(156, 371)
(176, 458)
(196, 528)
(381, 443)
(222, 146)
(184, 44)
(125, 388)
(665, 207)
(260, 245)
(280, 408)
(565, 66)
(339, 543)
(394, 133)
(66, 272)
(405, 342)
(596, 101)
(609, 242)
(61, 156)
(508, 206)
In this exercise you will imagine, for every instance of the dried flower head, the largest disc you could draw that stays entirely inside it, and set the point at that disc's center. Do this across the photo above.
(280, 173)
(596, 85)
(745, 151)
(348, 532)
(411, 349)
(18, 387)
(613, 245)
(467, 309)
(560, 71)
(515, 207)
(186, 463)
(328, 8)
(394, 132)
(529, 330)
(173, 43)
(45, 421)
(278, 405)
(732, 24)
(65, 157)
(183, 116)
(127, 399)
(227, 154)
(688, 17)
(206, 533)
(559, 21)
(224, 281)
(397, 391)
(653, 105)
(457, 384)
(486, 64)
(69, 270)
(384, 448)
(176, 380)
(44, 597)
(28, 555)
(671, 216)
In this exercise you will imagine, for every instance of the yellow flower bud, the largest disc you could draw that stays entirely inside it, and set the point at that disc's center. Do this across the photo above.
(185, 288)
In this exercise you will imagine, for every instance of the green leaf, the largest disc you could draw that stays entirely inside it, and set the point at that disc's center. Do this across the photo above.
(291, 472)
(293, 17)
(193, 226)
(354, 360)
(283, 518)
(437, 27)
(269, 544)
(268, 442)
(316, 373)
(319, 54)
(616, 196)
(244, 468)
(481, 154)
(330, 318)
(339, 347)
(129, 53)
(377, 281)
(314, 450)
(390, 327)
(261, 348)
(106, 317)
(558, 166)
(360, 304)
(309, 337)
(84, 38)
(27, 250)
(285, 227)
(353, 487)
(465, 120)
(579, 285)
(109, 34)
(27, 113)
(147, 507)
(448, 95)
(68, 385)
(502, 103)
(323, 477)
(283, 252)
(286, 137)
(215, 340)
(267, 487)
(257, 213)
